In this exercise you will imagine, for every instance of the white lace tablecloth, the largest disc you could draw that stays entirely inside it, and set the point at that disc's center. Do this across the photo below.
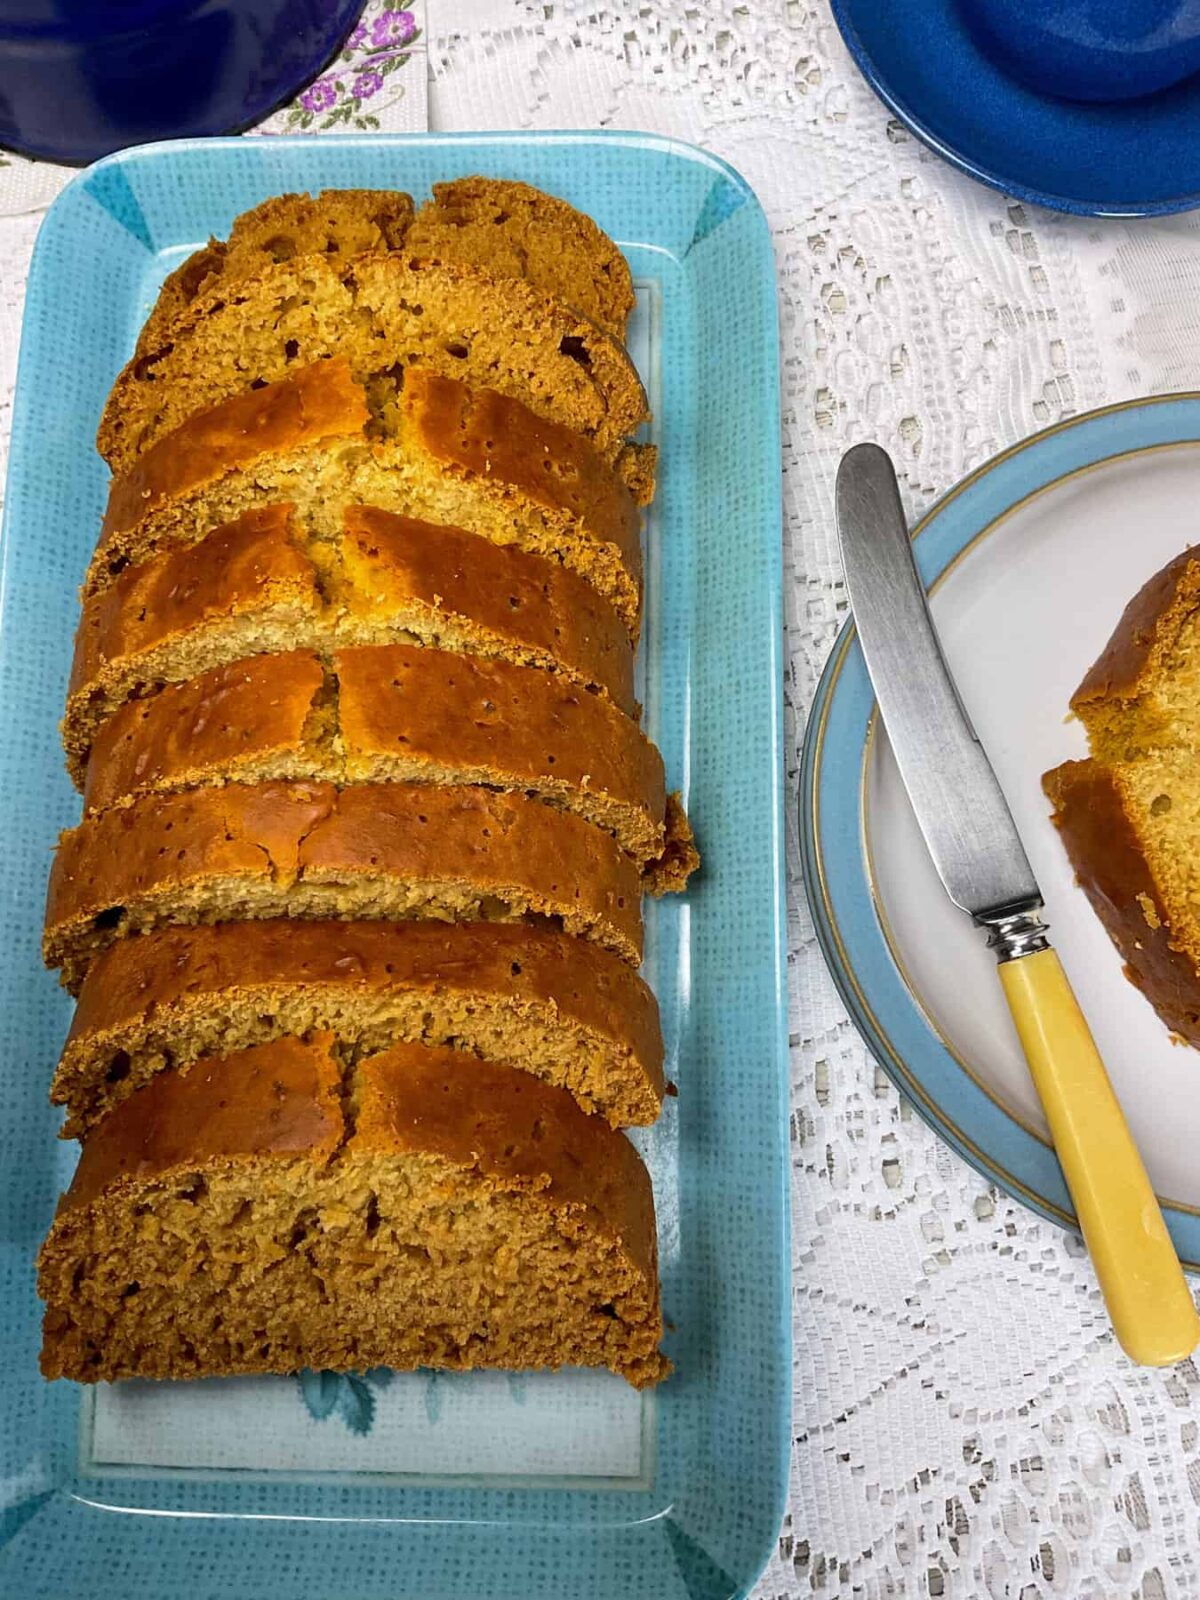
(956, 1432)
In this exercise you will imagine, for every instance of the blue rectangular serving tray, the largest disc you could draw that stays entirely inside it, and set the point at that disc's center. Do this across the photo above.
(565, 1485)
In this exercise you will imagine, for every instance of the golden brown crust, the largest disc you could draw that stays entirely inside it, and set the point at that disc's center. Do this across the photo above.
(1111, 867)
(509, 724)
(315, 403)
(512, 229)
(284, 1099)
(1153, 616)
(275, 848)
(277, 1099)
(112, 863)
(535, 603)
(568, 865)
(198, 1186)
(388, 713)
(254, 558)
(480, 432)
(384, 314)
(511, 1129)
(216, 727)
(156, 984)
(253, 582)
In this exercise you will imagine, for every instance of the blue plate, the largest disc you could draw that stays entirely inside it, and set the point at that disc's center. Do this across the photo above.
(955, 1094)
(1121, 159)
(567, 1485)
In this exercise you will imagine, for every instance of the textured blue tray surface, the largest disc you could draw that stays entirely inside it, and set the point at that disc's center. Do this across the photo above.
(700, 1520)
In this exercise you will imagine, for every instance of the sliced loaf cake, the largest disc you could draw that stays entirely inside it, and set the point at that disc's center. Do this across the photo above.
(272, 1210)
(354, 911)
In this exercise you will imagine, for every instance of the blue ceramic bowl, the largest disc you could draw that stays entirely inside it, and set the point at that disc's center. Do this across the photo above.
(82, 78)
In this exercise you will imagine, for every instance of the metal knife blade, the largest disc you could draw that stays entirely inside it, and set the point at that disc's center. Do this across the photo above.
(959, 805)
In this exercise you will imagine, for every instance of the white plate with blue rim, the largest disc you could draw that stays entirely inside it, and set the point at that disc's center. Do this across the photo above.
(1029, 563)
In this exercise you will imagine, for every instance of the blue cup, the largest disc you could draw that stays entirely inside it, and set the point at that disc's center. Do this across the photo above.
(81, 78)
(1090, 49)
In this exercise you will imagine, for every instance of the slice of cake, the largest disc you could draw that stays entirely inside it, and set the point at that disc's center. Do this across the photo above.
(389, 713)
(384, 317)
(273, 1210)
(1129, 816)
(1144, 689)
(1132, 832)
(515, 231)
(511, 229)
(562, 1008)
(263, 582)
(389, 850)
(337, 222)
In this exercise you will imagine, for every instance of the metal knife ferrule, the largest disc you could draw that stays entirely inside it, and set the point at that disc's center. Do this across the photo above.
(1015, 931)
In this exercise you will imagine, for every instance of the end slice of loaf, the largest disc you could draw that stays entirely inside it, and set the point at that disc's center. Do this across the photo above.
(393, 851)
(272, 1210)
(1130, 831)
(443, 453)
(1144, 689)
(262, 582)
(383, 316)
(562, 1008)
(389, 713)
(337, 222)
(1129, 816)
(516, 231)
(509, 228)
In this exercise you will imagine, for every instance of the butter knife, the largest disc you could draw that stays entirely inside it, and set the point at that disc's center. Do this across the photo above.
(971, 836)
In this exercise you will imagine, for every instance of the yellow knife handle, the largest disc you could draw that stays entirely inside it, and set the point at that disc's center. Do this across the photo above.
(1140, 1277)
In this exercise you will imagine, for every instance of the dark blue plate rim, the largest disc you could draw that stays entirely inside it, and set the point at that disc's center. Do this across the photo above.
(1073, 204)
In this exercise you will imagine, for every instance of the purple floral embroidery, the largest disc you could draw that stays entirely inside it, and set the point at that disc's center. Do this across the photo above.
(393, 28)
(366, 84)
(370, 68)
(319, 96)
